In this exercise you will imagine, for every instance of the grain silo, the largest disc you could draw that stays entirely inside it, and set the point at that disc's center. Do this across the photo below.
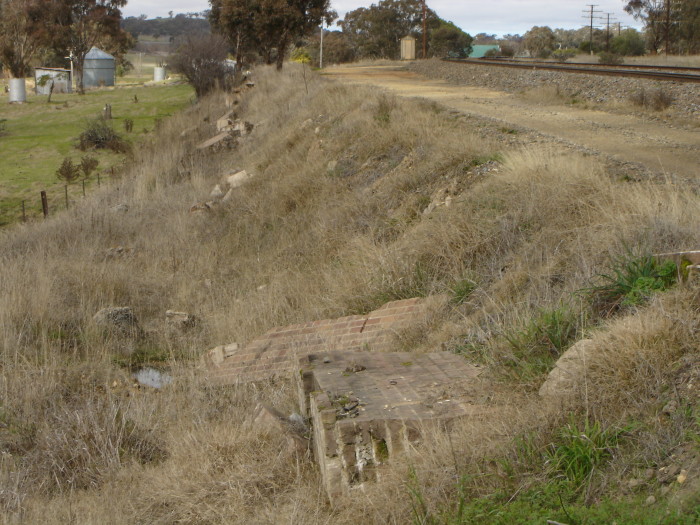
(99, 69)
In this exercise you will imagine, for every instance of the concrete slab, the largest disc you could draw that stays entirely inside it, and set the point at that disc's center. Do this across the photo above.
(275, 353)
(366, 408)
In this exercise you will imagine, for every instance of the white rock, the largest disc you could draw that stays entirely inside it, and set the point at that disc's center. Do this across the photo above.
(568, 372)
(216, 193)
(238, 179)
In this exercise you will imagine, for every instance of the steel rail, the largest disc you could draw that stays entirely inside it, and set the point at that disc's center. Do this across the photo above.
(587, 64)
(677, 77)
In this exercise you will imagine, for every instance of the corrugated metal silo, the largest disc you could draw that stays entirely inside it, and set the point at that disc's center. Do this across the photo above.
(99, 69)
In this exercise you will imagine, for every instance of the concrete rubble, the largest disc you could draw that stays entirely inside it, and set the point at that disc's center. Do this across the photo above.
(367, 408)
(366, 403)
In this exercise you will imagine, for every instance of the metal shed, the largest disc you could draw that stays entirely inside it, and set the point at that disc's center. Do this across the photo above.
(99, 69)
(479, 51)
(61, 80)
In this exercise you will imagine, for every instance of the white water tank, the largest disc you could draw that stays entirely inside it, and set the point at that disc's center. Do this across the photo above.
(158, 74)
(18, 90)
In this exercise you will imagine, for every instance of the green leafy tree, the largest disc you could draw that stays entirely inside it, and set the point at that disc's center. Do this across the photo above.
(540, 41)
(271, 26)
(448, 39)
(78, 25)
(20, 34)
(628, 43)
(375, 31)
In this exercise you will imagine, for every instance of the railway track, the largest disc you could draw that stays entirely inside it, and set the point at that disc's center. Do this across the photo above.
(650, 72)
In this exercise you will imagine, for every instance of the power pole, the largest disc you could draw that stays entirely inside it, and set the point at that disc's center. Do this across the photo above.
(320, 59)
(607, 32)
(425, 35)
(668, 25)
(590, 14)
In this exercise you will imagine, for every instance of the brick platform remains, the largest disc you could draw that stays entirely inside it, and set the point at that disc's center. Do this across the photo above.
(276, 353)
(367, 407)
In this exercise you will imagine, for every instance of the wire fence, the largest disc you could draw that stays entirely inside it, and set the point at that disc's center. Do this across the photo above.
(52, 200)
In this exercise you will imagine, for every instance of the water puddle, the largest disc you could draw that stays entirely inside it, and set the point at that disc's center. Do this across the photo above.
(152, 377)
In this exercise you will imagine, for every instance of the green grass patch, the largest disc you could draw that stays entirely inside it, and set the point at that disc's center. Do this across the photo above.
(38, 136)
(632, 281)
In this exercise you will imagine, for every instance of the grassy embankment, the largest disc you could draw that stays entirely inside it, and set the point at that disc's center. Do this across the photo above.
(334, 223)
(37, 136)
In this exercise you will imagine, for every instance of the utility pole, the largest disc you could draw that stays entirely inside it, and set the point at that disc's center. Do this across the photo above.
(668, 25)
(590, 14)
(425, 35)
(607, 32)
(320, 59)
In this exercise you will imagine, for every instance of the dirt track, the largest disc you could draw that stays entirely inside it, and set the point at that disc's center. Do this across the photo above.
(655, 146)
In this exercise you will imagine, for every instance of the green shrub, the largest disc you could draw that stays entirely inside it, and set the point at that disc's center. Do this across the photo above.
(632, 281)
(540, 341)
(461, 291)
(100, 134)
(562, 55)
(610, 59)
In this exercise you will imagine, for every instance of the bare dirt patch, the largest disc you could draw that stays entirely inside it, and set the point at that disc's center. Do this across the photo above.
(646, 145)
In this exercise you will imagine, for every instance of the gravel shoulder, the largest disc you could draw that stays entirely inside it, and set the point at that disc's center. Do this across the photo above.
(632, 142)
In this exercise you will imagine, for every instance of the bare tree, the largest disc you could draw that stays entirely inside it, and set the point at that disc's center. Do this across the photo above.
(202, 60)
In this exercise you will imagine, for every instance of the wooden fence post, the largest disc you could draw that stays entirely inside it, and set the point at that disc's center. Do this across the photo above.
(44, 204)
(24, 213)
(98, 179)
(83, 187)
(66, 191)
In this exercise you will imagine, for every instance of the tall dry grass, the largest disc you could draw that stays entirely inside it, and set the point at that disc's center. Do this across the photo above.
(331, 224)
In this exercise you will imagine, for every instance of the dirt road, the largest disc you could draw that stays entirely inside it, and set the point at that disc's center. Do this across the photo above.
(655, 146)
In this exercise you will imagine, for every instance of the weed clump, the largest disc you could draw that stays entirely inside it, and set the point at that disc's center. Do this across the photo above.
(657, 100)
(632, 281)
(610, 59)
(99, 134)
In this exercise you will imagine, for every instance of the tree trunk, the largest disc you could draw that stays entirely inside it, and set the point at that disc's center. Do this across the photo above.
(79, 77)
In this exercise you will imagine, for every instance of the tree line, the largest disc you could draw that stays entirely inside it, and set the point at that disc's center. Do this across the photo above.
(52, 30)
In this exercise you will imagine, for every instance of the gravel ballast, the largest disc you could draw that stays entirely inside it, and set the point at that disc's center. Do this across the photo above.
(598, 89)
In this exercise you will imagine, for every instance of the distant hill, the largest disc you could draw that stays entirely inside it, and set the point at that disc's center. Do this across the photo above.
(178, 25)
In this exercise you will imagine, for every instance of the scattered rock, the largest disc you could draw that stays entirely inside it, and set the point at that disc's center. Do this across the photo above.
(216, 193)
(670, 407)
(225, 123)
(217, 355)
(650, 500)
(118, 252)
(668, 474)
(237, 179)
(682, 477)
(122, 208)
(118, 320)
(332, 165)
(223, 140)
(633, 484)
(180, 321)
(188, 131)
(200, 207)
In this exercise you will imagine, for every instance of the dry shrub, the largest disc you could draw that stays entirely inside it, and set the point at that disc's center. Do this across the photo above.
(299, 242)
(657, 100)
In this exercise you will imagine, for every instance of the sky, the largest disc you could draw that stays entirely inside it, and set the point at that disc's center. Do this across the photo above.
(499, 17)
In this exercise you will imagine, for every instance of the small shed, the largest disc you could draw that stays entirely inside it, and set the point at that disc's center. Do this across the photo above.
(408, 48)
(99, 69)
(481, 50)
(45, 76)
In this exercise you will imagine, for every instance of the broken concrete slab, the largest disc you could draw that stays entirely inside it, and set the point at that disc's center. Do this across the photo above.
(275, 353)
(220, 141)
(180, 321)
(367, 408)
(688, 262)
(237, 179)
(568, 372)
(225, 123)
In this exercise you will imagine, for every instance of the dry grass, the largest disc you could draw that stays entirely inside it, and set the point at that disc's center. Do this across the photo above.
(332, 223)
